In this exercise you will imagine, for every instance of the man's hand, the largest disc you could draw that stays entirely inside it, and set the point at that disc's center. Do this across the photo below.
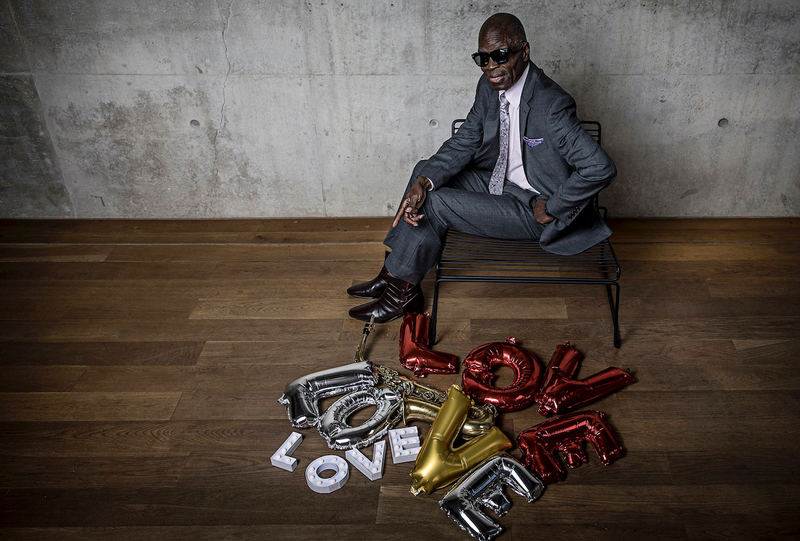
(412, 202)
(539, 213)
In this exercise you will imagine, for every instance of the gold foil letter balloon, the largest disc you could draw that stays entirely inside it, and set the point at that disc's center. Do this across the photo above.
(438, 463)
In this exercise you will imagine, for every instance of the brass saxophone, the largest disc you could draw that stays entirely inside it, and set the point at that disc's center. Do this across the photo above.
(422, 403)
(368, 328)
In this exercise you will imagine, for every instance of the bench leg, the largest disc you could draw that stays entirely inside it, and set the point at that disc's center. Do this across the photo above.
(613, 303)
(432, 336)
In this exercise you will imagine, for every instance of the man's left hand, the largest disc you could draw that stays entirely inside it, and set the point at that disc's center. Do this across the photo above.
(412, 202)
(539, 213)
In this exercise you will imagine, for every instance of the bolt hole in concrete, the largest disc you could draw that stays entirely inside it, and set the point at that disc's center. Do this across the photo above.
(434, 123)
(722, 122)
(195, 124)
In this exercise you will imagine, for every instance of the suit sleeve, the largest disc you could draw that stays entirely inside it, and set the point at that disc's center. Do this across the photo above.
(593, 169)
(458, 151)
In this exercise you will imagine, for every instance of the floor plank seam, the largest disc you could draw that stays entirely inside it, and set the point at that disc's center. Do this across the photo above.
(276, 244)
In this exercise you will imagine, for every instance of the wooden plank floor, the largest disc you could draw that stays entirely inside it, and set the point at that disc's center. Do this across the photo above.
(140, 363)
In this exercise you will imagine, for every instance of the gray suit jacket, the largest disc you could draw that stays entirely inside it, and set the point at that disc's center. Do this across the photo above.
(568, 168)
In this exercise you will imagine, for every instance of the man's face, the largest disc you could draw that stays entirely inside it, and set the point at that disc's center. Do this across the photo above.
(502, 76)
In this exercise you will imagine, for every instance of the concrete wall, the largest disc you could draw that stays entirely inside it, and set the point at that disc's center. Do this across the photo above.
(251, 108)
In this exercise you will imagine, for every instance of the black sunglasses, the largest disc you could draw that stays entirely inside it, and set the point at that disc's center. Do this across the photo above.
(500, 56)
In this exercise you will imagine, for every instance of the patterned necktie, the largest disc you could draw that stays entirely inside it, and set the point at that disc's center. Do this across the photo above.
(499, 173)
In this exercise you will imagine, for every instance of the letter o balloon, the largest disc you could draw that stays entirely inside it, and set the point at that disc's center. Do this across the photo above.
(477, 377)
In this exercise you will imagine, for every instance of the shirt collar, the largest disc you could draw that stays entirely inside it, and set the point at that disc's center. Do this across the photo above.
(514, 94)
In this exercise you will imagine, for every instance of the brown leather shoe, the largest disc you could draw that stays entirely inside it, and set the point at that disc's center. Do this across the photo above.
(398, 298)
(372, 289)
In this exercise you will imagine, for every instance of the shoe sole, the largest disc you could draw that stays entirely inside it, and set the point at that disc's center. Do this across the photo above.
(421, 309)
(378, 322)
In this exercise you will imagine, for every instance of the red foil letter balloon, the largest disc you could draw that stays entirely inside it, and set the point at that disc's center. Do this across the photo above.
(560, 393)
(477, 377)
(414, 352)
(567, 434)
(566, 359)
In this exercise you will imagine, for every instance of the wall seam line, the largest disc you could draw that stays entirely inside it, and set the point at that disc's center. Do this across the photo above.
(44, 114)
(213, 192)
(782, 143)
(311, 89)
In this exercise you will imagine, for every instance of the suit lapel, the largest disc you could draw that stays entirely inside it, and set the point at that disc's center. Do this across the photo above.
(524, 114)
(524, 105)
(493, 120)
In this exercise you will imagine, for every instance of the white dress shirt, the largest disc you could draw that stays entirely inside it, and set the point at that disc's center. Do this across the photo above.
(515, 172)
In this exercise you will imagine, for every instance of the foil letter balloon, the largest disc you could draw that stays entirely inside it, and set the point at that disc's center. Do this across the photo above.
(567, 434)
(339, 435)
(483, 487)
(565, 393)
(438, 463)
(566, 359)
(560, 393)
(477, 376)
(414, 352)
(302, 396)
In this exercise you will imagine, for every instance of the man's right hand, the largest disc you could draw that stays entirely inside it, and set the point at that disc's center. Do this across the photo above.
(540, 212)
(412, 202)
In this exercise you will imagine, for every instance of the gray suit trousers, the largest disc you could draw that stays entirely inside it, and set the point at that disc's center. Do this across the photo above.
(466, 205)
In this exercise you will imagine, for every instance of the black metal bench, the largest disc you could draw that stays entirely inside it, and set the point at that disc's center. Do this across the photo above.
(470, 258)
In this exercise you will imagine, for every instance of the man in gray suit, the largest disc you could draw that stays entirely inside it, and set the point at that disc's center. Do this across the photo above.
(520, 167)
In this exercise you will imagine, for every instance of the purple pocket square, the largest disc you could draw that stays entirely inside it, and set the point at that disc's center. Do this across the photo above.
(532, 142)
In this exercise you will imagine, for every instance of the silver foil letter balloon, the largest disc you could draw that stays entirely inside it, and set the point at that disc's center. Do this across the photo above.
(483, 487)
(339, 435)
(302, 396)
